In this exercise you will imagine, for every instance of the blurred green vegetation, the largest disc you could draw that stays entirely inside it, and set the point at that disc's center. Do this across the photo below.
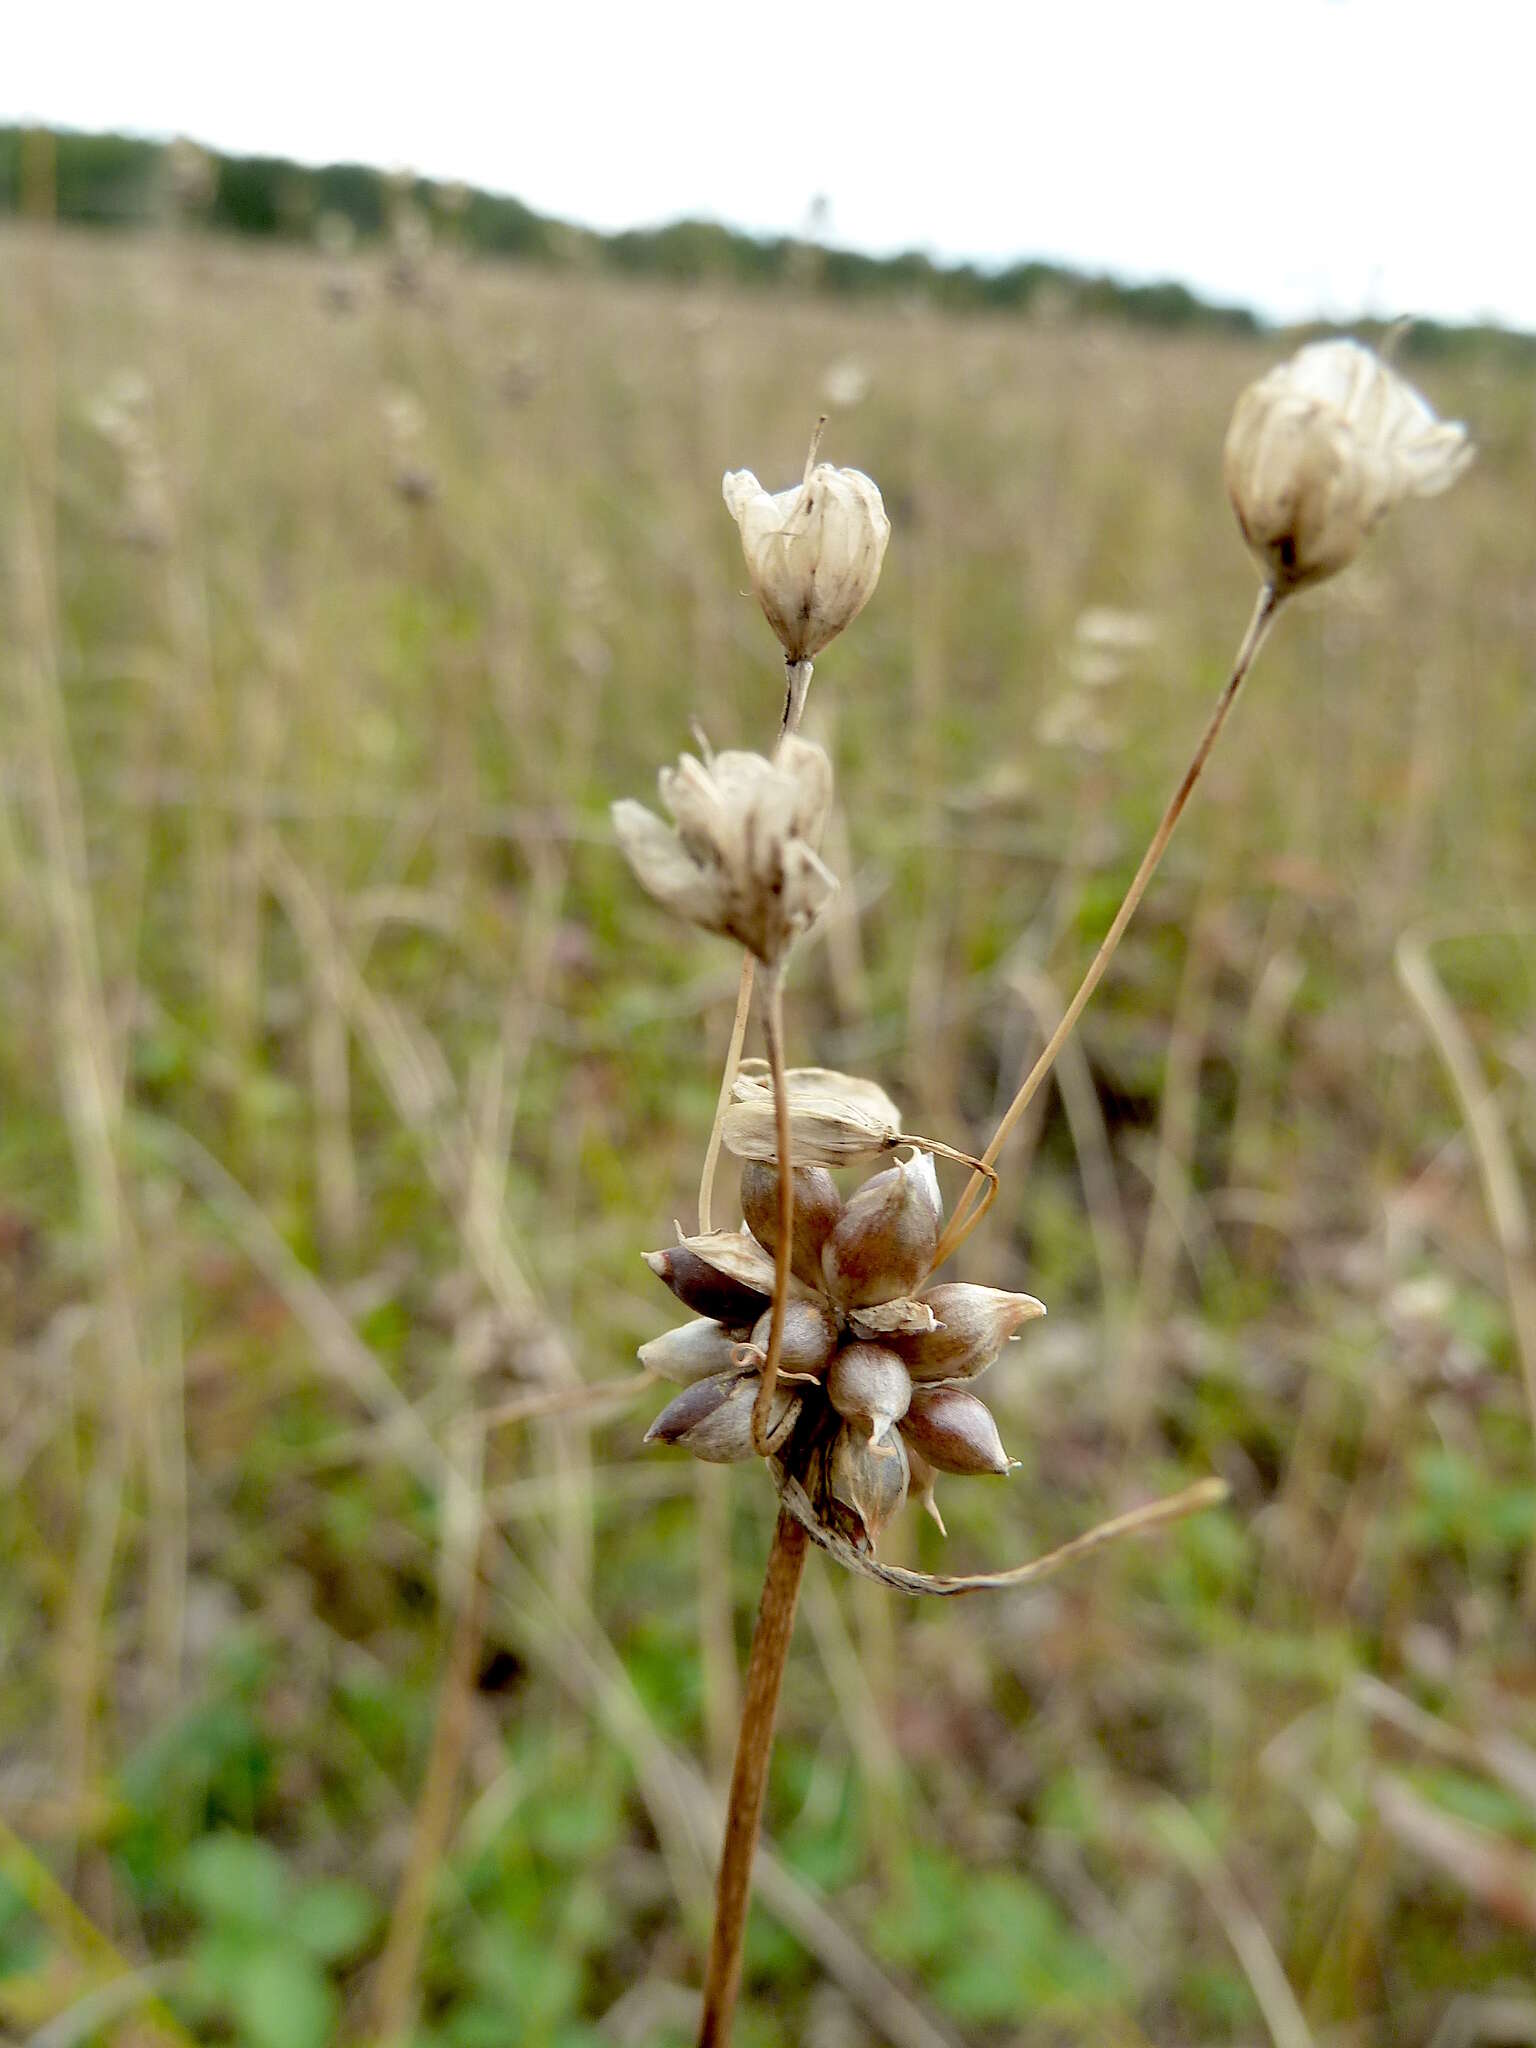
(345, 1074)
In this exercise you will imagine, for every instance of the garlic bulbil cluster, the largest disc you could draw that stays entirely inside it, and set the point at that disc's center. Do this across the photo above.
(1320, 450)
(740, 857)
(873, 1396)
(813, 553)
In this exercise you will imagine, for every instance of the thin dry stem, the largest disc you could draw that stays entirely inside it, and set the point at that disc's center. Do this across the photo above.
(1496, 1167)
(723, 1100)
(754, 1747)
(964, 1220)
(398, 1965)
(762, 1406)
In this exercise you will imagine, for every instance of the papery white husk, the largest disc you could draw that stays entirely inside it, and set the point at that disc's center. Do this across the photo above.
(1319, 451)
(813, 552)
(833, 1118)
(742, 860)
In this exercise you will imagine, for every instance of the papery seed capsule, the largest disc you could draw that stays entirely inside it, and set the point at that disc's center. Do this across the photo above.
(690, 1352)
(817, 1208)
(954, 1431)
(868, 1479)
(869, 1386)
(708, 1293)
(813, 552)
(713, 1419)
(974, 1325)
(809, 1339)
(885, 1239)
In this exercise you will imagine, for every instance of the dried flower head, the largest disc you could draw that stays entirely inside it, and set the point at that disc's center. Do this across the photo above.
(813, 552)
(740, 857)
(875, 1381)
(1321, 448)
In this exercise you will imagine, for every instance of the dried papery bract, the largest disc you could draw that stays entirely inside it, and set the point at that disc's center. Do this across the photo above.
(834, 1118)
(740, 858)
(1320, 450)
(813, 553)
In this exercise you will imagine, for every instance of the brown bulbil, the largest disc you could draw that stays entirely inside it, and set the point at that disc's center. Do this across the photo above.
(817, 1208)
(954, 1431)
(713, 1419)
(809, 1339)
(708, 1293)
(693, 1351)
(868, 1480)
(868, 1384)
(885, 1239)
(974, 1325)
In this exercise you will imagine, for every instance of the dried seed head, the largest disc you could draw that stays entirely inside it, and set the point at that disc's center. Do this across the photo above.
(813, 553)
(817, 1207)
(713, 1419)
(954, 1431)
(1321, 448)
(742, 860)
(974, 1323)
(833, 1118)
(885, 1239)
(869, 1386)
(704, 1289)
(693, 1351)
(809, 1339)
(868, 1481)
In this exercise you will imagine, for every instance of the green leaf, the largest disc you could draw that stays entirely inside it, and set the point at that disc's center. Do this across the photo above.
(281, 1998)
(233, 1878)
(334, 1920)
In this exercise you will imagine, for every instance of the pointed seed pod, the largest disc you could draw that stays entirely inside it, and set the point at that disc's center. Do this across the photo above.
(693, 1351)
(809, 1339)
(974, 1325)
(869, 1480)
(869, 1387)
(708, 1293)
(884, 1241)
(954, 1431)
(713, 1419)
(817, 1207)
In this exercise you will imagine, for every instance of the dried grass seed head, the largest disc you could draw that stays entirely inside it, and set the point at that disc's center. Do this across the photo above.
(741, 855)
(1319, 451)
(813, 553)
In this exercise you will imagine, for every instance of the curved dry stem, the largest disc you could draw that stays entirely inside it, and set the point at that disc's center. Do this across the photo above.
(1205, 1493)
(723, 1100)
(773, 1024)
(966, 1217)
(749, 1776)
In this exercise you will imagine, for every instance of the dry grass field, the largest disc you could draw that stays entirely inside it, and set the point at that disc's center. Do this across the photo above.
(345, 1073)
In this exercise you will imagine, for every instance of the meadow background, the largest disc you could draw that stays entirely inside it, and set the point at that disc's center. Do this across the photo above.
(345, 1073)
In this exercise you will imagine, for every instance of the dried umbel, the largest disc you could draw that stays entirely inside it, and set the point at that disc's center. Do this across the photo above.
(1321, 449)
(740, 857)
(813, 553)
(874, 1390)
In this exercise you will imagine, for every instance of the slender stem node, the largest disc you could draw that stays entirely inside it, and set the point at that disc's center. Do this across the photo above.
(966, 1216)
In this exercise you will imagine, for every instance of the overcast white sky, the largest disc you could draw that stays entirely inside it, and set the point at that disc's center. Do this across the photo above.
(1300, 156)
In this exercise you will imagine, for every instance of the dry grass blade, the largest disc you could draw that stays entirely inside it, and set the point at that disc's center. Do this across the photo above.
(1206, 1493)
(1496, 1873)
(1507, 1209)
